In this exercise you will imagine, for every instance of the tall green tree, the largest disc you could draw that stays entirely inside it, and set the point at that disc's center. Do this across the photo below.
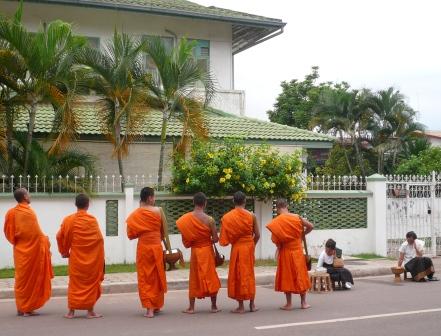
(47, 60)
(117, 76)
(393, 127)
(180, 90)
(296, 103)
(346, 114)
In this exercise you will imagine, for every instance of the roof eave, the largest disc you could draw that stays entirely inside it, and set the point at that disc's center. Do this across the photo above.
(165, 11)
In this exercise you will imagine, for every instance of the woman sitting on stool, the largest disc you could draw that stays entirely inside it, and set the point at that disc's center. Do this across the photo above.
(411, 255)
(337, 274)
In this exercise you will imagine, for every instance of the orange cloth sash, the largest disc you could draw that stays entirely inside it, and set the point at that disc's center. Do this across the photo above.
(80, 238)
(152, 285)
(32, 258)
(292, 273)
(237, 229)
(204, 280)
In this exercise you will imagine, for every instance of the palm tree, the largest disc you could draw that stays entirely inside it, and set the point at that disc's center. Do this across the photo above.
(176, 91)
(118, 78)
(12, 74)
(44, 164)
(47, 59)
(345, 114)
(393, 127)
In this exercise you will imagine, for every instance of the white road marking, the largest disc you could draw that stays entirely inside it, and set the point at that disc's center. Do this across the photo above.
(346, 319)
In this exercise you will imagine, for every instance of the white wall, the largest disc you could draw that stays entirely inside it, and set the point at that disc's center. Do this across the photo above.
(101, 23)
(52, 210)
(434, 141)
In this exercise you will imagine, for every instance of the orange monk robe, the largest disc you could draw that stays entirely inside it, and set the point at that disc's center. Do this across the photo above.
(237, 229)
(204, 281)
(292, 273)
(146, 226)
(80, 238)
(32, 258)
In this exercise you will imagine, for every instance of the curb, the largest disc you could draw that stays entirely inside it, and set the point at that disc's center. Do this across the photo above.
(132, 287)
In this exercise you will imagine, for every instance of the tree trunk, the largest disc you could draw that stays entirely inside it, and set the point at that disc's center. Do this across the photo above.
(9, 135)
(346, 153)
(31, 126)
(118, 147)
(359, 158)
(162, 151)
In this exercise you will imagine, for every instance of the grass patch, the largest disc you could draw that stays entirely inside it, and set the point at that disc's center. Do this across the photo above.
(367, 256)
(7, 273)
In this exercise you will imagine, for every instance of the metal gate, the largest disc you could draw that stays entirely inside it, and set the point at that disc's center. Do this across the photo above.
(413, 204)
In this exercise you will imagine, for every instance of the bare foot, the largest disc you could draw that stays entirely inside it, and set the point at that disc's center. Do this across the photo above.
(253, 308)
(287, 307)
(28, 314)
(305, 306)
(69, 316)
(215, 310)
(188, 311)
(93, 315)
(19, 313)
(149, 313)
(238, 311)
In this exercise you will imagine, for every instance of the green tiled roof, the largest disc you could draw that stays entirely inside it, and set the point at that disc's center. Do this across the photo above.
(221, 125)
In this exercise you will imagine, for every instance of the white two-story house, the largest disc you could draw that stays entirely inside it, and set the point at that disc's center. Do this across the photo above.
(220, 34)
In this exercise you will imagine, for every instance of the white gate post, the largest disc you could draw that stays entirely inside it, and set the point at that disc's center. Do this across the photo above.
(265, 249)
(432, 214)
(128, 246)
(377, 212)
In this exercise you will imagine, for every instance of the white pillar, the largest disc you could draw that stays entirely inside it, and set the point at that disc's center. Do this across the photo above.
(264, 213)
(377, 212)
(128, 246)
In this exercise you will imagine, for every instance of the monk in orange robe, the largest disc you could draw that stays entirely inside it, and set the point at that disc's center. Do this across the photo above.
(199, 233)
(80, 240)
(292, 274)
(239, 228)
(32, 257)
(146, 224)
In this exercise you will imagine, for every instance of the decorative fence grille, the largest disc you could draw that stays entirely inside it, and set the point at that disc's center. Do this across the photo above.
(326, 182)
(112, 183)
(332, 213)
(77, 184)
(413, 204)
(216, 208)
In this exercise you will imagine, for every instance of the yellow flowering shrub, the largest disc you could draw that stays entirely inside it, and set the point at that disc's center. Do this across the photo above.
(222, 168)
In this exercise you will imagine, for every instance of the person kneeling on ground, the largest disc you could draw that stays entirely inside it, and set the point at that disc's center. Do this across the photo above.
(411, 255)
(338, 274)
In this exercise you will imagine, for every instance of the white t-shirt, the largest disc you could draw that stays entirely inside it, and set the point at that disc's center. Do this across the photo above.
(409, 250)
(325, 258)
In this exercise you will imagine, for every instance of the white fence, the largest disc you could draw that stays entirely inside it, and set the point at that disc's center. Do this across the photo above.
(414, 204)
(112, 208)
(369, 215)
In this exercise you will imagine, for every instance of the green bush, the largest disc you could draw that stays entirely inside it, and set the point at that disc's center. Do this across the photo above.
(222, 168)
(424, 163)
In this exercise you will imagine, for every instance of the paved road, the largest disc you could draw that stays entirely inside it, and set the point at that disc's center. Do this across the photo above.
(376, 300)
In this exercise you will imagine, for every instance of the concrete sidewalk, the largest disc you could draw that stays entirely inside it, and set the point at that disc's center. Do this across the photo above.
(178, 279)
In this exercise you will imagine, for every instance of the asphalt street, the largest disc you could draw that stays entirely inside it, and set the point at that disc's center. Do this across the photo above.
(376, 306)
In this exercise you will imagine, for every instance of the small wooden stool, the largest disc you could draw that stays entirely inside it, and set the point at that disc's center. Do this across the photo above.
(320, 282)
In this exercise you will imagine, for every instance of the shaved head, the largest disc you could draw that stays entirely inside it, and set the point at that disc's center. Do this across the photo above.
(21, 195)
(82, 201)
(281, 203)
(239, 198)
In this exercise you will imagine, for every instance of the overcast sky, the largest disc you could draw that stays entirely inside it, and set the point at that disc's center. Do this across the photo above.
(373, 44)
